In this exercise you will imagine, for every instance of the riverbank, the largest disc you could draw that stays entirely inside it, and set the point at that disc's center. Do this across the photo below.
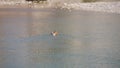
(112, 7)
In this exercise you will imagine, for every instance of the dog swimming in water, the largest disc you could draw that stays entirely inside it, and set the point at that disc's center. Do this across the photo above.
(54, 33)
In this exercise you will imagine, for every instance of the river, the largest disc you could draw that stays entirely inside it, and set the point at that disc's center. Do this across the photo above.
(86, 39)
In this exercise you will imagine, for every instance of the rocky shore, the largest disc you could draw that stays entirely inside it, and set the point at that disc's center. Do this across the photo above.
(112, 7)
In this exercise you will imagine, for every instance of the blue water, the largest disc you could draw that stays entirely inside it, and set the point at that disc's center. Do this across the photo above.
(85, 39)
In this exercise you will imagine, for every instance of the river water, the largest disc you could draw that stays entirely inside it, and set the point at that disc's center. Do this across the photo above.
(86, 39)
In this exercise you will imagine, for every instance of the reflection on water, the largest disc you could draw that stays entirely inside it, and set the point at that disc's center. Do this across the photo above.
(85, 39)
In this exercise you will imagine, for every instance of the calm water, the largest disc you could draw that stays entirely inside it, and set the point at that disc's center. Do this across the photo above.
(85, 39)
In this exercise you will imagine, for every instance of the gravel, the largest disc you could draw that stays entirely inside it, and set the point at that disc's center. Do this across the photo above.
(111, 7)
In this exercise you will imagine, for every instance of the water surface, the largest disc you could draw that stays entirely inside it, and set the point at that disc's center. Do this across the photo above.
(85, 40)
